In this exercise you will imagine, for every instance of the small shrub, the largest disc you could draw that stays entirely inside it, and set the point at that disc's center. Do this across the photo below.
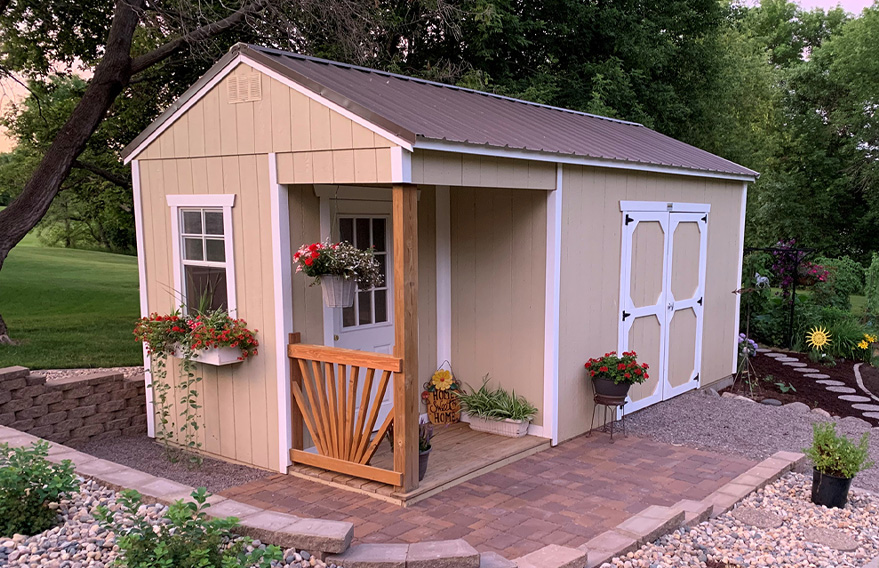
(871, 288)
(186, 537)
(29, 483)
(835, 454)
(497, 404)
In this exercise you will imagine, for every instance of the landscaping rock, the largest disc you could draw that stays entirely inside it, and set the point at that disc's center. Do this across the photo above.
(771, 402)
(797, 406)
(831, 537)
(821, 412)
(759, 518)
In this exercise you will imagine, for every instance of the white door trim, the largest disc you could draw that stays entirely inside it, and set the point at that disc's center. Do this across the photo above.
(282, 275)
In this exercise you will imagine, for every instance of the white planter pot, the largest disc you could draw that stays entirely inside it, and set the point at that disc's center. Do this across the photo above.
(507, 427)
(217, 356)
(338, 291)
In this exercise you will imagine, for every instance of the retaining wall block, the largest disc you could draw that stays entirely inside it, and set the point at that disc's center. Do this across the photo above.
(52, 418)
(33, 412)
(49, 397)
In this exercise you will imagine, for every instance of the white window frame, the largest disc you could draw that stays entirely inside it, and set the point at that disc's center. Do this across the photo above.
(222, 202)
(389, 275)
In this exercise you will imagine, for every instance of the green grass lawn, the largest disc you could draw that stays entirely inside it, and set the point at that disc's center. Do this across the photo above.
(69, 308)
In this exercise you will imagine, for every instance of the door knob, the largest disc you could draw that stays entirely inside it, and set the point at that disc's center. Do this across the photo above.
(335, 338)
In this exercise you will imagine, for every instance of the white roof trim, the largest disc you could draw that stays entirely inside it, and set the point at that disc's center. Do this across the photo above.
(483, 150)
(198, 95)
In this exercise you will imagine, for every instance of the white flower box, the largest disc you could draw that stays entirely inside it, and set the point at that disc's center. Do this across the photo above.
(507, 427)
(217, 356)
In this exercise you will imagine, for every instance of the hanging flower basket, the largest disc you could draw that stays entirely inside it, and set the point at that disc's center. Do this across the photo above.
(338, 291)
(339, 268)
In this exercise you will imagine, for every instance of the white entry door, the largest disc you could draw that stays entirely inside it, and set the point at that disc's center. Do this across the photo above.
(662, 296)
(368, 325)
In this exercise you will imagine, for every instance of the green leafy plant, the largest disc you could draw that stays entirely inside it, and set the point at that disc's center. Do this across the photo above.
(185, 538)
(29, 484)
(821, 358)
(619, 369)
(785, 387)
(871, 287)
(425, 435)
(835, 454)
(495, 404)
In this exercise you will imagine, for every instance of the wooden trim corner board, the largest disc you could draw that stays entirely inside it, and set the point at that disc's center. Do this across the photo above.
(142, 285)
(552, 304)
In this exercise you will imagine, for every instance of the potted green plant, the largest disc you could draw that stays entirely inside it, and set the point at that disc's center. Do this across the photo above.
(613, 375)
(496, 411)
(836, 461)
(425, 434)
(339, 268)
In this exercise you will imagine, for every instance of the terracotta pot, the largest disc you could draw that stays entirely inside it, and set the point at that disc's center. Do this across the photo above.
(422, 464)
(338, 292)
(829, 490)
(606, 387)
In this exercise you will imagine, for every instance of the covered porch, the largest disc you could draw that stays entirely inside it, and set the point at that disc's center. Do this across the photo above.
(345, 401)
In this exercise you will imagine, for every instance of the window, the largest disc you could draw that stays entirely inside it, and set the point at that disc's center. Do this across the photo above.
(370, 306)
(204, 270)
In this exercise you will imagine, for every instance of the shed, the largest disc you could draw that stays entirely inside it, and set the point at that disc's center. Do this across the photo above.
(523, 238)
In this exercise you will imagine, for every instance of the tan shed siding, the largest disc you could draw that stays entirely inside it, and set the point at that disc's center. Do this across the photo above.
(359, 166)
(240, 408)
(499, 288)
(308, 313)
(284, 120)
(590, 273)
(448, 168)
(427, 317)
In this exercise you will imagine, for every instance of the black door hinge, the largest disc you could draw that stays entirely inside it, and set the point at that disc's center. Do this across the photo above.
(705, 218)
(625, 315)
(699, 302)
(628, 219)
(696, 378)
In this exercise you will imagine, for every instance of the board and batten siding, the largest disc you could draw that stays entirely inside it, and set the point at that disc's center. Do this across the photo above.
(240, 410)
(468, 170)
(498, 251)
(590, 273)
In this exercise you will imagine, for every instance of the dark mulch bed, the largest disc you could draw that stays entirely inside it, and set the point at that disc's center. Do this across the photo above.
(808, 391)
(145, 454)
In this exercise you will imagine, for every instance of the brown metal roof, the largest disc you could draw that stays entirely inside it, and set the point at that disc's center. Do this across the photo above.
(415, 109)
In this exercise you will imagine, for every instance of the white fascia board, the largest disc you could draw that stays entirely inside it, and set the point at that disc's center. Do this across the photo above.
(481, 150)
(401, 165)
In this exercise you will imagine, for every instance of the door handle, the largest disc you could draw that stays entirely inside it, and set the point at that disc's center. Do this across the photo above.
(335, 338)
(671, 306)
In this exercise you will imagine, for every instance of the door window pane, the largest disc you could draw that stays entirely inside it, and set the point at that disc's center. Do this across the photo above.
(349, 317)
(364, 308)
(192, 222)
(378, 234)
(215, 250)
(192, 249)
(213, 222)
(205, 288)
(362, 236)
(346, 230)
(381, 305)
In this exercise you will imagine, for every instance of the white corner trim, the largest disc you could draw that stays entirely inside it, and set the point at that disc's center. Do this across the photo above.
(401, 165)
(735, 346)
(551, 310)
(183, 108)
(328, 103)
(443, 274)
(325, 234)
(669, 206)
(142, 285)
(226, 201)
(482, 150)
(282, 275)
(201, 200)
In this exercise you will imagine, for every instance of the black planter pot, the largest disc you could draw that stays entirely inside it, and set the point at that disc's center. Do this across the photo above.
(422, 464)
(606, 387)
(829, 490)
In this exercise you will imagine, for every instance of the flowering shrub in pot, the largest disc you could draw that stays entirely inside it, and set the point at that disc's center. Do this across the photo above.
(836, 460)
(612, 375)
(210, 337)
(338, 268)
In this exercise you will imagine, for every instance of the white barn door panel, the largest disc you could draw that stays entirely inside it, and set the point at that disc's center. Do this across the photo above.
(662, 291)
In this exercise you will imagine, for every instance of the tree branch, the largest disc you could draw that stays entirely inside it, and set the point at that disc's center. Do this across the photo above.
(199, 34)
(103, 173)
(3, 5)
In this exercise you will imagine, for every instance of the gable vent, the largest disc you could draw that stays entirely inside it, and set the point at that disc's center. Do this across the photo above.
(245, 88)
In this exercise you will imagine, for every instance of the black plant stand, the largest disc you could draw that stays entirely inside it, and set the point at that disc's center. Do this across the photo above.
(609, 403)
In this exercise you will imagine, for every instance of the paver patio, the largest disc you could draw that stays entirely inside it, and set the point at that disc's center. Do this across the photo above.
(565, 495)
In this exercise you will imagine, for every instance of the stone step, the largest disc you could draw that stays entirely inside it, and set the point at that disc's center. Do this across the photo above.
(435, 554)
(553, 556)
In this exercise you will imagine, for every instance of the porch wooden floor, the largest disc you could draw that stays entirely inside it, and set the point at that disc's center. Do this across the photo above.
(458, 454)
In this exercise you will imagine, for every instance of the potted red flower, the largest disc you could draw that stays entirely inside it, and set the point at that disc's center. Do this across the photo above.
(613, 374)
(339, 268)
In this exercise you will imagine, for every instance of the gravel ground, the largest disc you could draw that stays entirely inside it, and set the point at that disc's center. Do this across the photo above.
(55, 374)
(743, 427)
(777, 526)
(144, 454)
(79, 541)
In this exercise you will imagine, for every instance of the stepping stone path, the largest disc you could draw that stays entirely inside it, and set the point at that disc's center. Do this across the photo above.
(763, 350)
(806, 370)
(756, 517)
(843, 390)
(874, 415)
(787, 359)
(867, 407)
(795, 364)
(857, 398)
(774, 355)
(831, 383)
(817, 376)
(830, 537)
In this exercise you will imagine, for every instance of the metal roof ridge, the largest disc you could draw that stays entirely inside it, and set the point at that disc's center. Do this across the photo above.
(281, 52)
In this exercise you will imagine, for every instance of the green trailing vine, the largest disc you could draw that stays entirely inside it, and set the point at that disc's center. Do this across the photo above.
(185, 337)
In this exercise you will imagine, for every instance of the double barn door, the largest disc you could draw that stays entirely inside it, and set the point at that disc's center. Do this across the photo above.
(662, 295)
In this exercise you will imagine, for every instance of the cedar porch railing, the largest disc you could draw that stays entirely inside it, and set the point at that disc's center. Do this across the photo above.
(324, 382)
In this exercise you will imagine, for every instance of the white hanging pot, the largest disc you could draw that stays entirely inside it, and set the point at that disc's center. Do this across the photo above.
(338, 291)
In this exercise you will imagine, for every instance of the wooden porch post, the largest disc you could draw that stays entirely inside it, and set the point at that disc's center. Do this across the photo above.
(405, 231)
